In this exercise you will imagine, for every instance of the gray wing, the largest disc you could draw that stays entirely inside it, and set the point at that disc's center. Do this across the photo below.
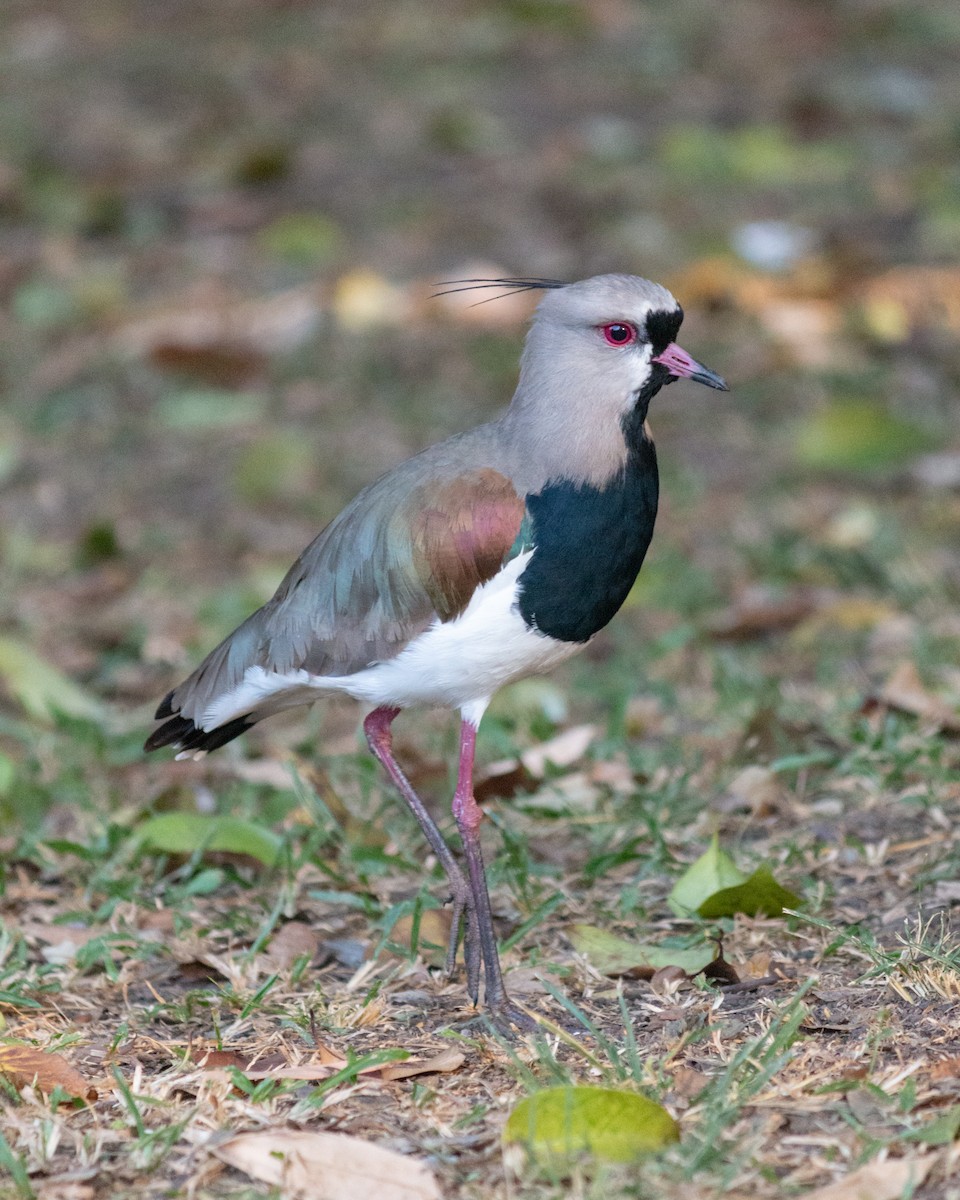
(405, 553)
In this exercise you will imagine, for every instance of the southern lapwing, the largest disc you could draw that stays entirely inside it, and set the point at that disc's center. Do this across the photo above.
(496, 554)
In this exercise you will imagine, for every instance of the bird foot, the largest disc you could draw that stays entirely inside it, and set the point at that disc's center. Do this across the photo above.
(464, 925)
(508, 1019)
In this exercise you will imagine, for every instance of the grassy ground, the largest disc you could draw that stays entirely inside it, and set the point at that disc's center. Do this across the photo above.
(216, 240)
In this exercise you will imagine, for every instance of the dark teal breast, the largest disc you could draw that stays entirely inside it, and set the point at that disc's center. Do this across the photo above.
(589, 544)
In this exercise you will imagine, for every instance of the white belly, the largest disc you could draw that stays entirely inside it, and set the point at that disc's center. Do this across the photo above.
(458, 664)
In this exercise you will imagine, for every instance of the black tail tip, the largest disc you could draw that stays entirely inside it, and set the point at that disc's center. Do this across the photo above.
(183, 734)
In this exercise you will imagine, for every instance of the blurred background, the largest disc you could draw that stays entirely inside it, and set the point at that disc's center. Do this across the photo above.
(220, 227)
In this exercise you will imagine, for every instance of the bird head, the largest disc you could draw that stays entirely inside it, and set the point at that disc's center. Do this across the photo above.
(596, 354)
(618, 330)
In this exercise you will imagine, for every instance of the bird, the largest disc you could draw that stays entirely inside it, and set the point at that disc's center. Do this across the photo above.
(493, 555)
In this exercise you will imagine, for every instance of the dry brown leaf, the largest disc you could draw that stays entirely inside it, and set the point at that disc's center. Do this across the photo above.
(323, 1166)
(447, 1060)
(306, 1071)
(561, 751)
(945, 1068)
(613, 773)
(757, 613)
(755, 788)
(213, 1060)
(878, 1180)
(294, 940)
(850, 614)
(218, 363)
(26, 1065)
(908, 298)
(644, 716)
(502, 780)
(328, 1056)
(508, 776)
(433, 933)
(689, 1082)
(62, 1189)
(273, 1066)
(905, 692)
(324, 1064)
(212, 317)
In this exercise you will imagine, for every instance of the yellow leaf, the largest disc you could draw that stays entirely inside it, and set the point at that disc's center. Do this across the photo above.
(607, 1123)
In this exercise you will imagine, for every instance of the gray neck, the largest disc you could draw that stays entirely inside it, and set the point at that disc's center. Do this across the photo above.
(560, 424)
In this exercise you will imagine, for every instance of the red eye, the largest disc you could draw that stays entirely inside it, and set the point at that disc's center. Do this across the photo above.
(618, 333)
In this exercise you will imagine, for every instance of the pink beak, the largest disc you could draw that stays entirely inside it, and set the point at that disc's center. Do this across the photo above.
(679, 363)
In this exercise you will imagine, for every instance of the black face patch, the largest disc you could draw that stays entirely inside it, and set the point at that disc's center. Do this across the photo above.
(663, 327)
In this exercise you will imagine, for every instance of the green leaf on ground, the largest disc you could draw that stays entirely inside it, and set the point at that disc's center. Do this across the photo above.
(611, 1125)
(714, 871)
(857, 435)
(185, 833)
(302, 239)
(758, 896)
(615, 955)
(39, 687)
(195, 410)
(714, 886)
(941, 1131)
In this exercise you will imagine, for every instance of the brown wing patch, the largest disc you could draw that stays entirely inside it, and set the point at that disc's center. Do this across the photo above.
(463, 530)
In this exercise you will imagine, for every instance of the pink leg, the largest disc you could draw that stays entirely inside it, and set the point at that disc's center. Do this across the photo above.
(380, 740)
(468, 816)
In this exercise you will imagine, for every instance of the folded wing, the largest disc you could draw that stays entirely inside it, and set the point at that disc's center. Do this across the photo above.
(403, 555)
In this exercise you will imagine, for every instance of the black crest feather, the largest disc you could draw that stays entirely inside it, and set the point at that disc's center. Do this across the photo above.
(452, 286)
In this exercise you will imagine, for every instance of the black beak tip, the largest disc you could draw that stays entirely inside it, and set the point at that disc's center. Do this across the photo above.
(711, 379)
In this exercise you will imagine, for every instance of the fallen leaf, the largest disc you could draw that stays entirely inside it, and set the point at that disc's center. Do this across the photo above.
(562, 1123)
(326, 1063)
(218, 1060)
(318, 1166)
(561, 751)
(39, 687)
(508, 776)
(211, 318)
(502, 780)
(908, 298)
(755, 788)
(613, 955)
(757, 613)
(291, 942)
(946, 1068)
(887, 1180)
(941, 1131)
(857, 434)
(807, 329)
(758, 896)
(26, 1065)
(665, 980)
(433, 933)
(185, 833)
(221, 364)
(689, 1082)
(852, 614)
(447, 1060)
(904, 691)
(713, 872)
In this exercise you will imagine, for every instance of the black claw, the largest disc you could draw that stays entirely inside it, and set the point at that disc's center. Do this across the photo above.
(510, 1020)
